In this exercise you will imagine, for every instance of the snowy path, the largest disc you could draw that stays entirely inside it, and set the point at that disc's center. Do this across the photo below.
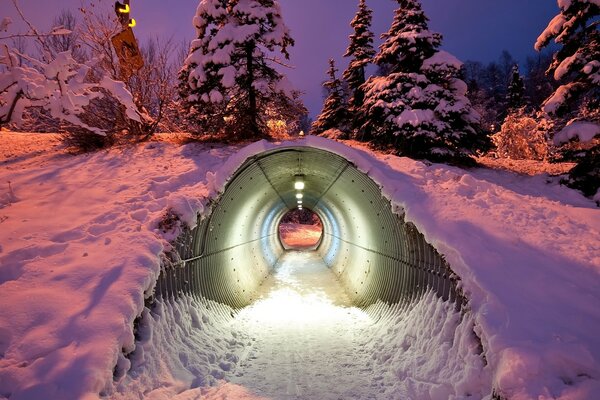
(306, 336)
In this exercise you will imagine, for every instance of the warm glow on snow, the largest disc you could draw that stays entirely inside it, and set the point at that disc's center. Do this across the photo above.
(300, 236)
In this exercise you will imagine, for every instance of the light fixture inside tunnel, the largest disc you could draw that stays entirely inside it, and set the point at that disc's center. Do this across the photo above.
(299, 195)
(299, 182)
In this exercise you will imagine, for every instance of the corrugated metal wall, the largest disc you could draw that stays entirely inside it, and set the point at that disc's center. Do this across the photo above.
(374, 252)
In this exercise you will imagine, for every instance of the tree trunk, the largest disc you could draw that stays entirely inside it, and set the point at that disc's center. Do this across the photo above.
(252, 106)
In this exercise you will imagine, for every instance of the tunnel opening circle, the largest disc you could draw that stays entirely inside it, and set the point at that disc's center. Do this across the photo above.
(367, 243)
(300, 229)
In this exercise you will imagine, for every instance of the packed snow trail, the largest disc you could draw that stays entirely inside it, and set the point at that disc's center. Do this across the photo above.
(305, 334)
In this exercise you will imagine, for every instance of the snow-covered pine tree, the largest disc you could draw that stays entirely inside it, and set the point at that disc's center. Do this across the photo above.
(575, 105)
(515, 93)
(232, 80)
(420, 105)
(335, 109)
(362, 52)
(201, 86)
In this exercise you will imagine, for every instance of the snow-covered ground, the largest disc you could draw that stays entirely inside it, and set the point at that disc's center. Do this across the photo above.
(300, 235)
(80, 244)
(303, 340)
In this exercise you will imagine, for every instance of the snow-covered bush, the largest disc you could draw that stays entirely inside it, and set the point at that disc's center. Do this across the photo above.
(521, 138)
(59, 86)
(55, 85)
(420, 106)
(153, 86)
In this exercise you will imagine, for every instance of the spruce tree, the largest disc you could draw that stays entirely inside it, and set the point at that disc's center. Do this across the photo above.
(229, 70)
(362, 52)
(516, 90)
(575, 105)
(335, 110)
(201, 90)
(420, 105)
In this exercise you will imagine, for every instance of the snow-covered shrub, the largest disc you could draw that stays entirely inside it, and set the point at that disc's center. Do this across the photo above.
(56, 86)
(59, 86)
(521, 138)
(153, 86)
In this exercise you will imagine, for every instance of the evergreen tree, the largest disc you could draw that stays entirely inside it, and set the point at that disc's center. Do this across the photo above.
(201, 90)
(232, 82)
(362, 52)
(335, 110)
(420, 105)
(538, 85)
(516, 90)
(575, 105)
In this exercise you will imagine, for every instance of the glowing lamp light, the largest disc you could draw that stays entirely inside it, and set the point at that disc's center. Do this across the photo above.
(299, 195)
(125, 9)
(299, 184)
(299, 201)
(132, 23)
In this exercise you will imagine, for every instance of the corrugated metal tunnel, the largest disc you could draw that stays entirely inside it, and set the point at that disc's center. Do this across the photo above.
(373, 251)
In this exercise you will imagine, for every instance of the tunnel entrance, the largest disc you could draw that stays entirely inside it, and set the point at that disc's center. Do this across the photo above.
(321, 322)
(374, 253)
(300, 229)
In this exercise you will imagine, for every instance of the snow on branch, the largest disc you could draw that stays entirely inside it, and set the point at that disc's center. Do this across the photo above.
(59, 87)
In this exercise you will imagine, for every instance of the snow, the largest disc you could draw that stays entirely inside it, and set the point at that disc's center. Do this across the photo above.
(80, 245)
(299, 235)
(557, 99)
(78, 249)
(414, 117)
(554, 27)
(442, 58)
(584, 131)
(58, 86)
(565, 66)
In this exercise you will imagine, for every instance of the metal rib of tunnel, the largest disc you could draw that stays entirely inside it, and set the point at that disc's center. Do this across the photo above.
(375, 253)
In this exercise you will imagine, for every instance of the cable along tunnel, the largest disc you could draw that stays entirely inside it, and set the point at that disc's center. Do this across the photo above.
(375, 254)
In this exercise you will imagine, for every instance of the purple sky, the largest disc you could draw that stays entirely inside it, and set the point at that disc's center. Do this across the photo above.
(472, 29)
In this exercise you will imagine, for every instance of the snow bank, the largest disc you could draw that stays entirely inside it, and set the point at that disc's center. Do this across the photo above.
(443, 364)
(79, 247)
(185, 344)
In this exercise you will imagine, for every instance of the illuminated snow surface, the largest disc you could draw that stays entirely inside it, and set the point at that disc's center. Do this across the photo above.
(300, 235)
(302, 339)
(80, 248)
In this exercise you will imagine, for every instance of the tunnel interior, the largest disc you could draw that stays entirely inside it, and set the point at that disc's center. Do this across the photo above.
(374, 252)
